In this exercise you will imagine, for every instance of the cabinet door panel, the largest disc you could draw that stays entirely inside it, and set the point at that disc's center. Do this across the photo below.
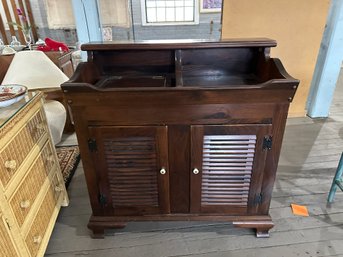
(227, 168)
(130, 162)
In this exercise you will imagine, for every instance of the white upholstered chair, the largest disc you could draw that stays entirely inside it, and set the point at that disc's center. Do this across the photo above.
(35, 70)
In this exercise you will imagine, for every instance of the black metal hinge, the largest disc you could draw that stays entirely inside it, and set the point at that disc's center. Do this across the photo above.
(267, 142)
(92, 145)
(258, 199)
(102, 199)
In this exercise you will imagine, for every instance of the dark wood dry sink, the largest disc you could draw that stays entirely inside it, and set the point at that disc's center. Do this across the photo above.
(178, 130)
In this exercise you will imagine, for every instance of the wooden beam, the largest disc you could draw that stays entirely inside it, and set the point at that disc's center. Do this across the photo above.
(3, 31)
(8, 16)
(32, 21)
(17, 20)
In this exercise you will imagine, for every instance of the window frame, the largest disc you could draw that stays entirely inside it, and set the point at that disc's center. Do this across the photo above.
(169, 23)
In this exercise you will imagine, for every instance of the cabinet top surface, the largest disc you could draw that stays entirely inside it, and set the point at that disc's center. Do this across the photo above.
(8, 112)
(178, 44)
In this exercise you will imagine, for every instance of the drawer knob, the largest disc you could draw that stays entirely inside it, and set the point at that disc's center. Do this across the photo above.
(196, 171)
(40, 126)
(25, 204)
(163, 171)
(50, 158)
(11, 165)
(58, 189)
(37, 239)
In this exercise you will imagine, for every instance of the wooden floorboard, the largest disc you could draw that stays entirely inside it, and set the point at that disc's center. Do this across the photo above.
(309, 157)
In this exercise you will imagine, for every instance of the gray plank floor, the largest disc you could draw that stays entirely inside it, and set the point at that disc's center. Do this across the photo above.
(310, 154)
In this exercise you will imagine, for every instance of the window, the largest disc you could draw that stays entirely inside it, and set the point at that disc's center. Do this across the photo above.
(169, 12)
(113, 13)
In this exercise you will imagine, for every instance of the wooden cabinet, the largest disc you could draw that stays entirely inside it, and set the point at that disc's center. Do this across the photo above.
(31, 184)
(180, 131)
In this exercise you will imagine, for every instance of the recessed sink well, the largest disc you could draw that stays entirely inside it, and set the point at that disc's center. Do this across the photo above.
(132, 81)
(222, 65)
(169, 81)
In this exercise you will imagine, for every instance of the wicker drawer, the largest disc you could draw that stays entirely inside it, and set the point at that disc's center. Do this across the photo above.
(27, 137)
(31, 184)
(27, 192)
(44, 217)
(6, 245)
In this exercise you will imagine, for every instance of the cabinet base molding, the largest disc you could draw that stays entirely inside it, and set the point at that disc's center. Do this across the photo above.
(262, 227)
(262, 224)
(98, 226)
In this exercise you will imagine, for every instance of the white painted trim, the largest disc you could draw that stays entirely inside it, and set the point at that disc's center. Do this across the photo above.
(173, 23)
(328, 65)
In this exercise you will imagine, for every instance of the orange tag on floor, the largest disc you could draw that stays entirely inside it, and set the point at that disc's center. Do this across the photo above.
(299, 210)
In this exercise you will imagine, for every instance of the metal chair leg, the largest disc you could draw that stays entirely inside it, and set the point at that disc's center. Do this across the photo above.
(337, 180)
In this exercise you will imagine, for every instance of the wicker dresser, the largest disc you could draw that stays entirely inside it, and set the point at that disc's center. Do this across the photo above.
(31, 185)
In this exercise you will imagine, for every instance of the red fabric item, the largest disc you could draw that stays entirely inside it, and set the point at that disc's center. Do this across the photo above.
(44, 48)
(55, 45)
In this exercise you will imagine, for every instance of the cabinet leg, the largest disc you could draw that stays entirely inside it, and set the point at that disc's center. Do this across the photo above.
(98, 226)
(65, 201)
(262, 233)
(262, 227)
(98, 233)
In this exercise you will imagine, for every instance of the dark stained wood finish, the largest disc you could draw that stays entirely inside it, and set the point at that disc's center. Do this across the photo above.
(63, 61)
(129, 161)
(234, 168)
(5, 61)
(178, 68)
(279, 123)
(179, 167)
(262, 227)
(197, 134)
(178, 44)
(222, 95)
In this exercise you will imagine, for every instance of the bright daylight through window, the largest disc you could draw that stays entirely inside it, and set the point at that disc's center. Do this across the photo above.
(172, 12)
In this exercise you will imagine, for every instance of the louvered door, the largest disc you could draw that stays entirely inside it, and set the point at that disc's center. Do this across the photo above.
(227, 168)
(132, 168)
